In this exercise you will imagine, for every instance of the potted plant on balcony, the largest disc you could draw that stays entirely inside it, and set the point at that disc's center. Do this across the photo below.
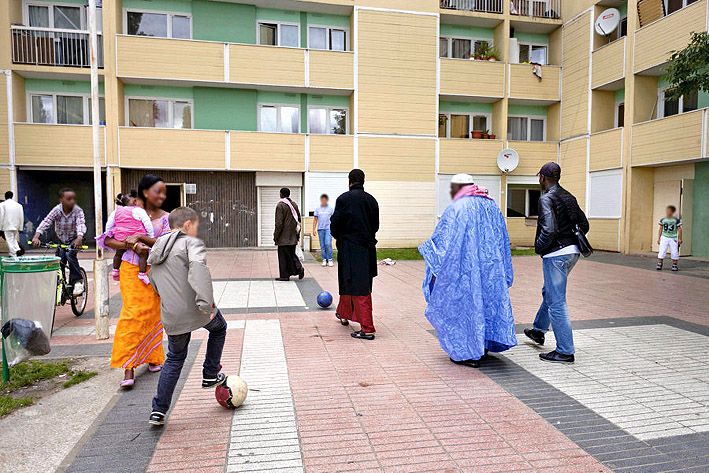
(476, 134)
(493, 54)
(492, 137)
(486, 134)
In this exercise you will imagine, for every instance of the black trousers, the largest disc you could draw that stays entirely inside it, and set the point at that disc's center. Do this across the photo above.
(288, 262)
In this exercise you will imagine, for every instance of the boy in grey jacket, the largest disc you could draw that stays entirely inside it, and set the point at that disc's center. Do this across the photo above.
(179, 274)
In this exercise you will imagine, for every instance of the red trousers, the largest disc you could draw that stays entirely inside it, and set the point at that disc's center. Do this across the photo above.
(357, 309)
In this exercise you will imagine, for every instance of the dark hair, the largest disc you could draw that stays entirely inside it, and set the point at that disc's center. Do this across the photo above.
(285, 192)
(64, 190)
(133, 193)
(180, 215)
(9, 195)
(324, 196)
(672, 208)
(356, 176)
(148, 181)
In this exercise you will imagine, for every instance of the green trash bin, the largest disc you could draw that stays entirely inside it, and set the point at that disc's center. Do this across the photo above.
(28, 288)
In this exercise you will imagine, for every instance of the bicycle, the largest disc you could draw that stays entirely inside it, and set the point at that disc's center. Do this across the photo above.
(65, 291)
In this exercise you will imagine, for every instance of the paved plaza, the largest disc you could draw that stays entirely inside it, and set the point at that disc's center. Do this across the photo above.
(635, 401)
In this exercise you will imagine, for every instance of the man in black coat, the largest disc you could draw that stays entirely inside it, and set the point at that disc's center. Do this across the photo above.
(354, 225)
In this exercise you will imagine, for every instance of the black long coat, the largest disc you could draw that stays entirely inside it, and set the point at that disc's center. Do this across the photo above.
(354, 225)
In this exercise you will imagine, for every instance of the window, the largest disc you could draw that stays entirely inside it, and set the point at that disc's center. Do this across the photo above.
(522, 201)
(526, 128)
(459, 125)
(63, 109)
(279, 34)
(672, 6)
(159, 25)
(279, 118)
(159, 113)
(669, 107)
(460, 48)
(619, 114)
(535, 53)
(621, 31)
(605, 193)
(327, 121)
(67, 17)
(323, 37)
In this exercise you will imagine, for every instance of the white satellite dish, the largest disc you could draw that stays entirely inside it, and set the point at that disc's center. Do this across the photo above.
(607, 21)
(507, 160)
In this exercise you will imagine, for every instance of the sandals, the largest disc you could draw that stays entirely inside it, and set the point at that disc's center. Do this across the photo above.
(342, 321)
(362, 335)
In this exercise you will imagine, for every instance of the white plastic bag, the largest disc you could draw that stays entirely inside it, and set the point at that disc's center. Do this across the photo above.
(299, 253)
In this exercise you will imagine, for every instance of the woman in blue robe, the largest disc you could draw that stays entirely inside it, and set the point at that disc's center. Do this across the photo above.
(468, 275)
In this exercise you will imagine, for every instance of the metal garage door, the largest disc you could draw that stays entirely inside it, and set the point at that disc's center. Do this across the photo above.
(268, 198)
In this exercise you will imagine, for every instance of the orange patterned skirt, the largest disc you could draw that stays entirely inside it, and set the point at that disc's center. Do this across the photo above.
(139, 333)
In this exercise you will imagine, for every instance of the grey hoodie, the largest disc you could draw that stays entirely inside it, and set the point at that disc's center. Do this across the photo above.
(179, 274)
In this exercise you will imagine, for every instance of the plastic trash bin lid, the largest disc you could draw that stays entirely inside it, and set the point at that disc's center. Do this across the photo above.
(29, 264)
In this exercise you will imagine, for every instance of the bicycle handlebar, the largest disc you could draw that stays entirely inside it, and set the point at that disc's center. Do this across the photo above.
(62, 246)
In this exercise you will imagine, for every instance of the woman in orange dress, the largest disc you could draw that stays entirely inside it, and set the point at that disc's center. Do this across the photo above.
(139, 333)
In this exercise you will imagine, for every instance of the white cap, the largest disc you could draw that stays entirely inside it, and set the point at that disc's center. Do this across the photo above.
(462, 179)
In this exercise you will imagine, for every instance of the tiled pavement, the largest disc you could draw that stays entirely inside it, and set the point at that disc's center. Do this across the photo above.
(398, 405)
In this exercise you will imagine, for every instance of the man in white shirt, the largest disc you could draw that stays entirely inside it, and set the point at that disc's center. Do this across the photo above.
(12, 221)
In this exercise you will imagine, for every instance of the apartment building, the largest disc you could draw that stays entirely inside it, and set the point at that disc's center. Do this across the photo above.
(229, 101)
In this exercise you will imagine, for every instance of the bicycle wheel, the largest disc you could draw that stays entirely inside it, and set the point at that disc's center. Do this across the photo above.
(78, 303)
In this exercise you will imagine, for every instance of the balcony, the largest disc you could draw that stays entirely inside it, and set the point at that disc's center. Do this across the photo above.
(525, 85)
(606, 150)
(53, 47)
(55, 145)
(532, 155)
(654, 42)
(536, 8)
(257, 151)
(609, 66)
(479, 156)
(485, 6)
(464, 77)
(167, 148)
(669, 140)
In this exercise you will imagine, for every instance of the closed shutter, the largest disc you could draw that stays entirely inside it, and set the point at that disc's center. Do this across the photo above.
(605, 193)
(269, 197)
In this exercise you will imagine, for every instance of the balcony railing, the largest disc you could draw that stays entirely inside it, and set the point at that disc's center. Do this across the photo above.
(488, 6)
(536, 8)
(53, 47)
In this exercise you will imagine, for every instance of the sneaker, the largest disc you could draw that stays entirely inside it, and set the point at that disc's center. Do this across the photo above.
(78, 288)
(144, 278)
(330, 263)
(537, 336)
(675, 267)
(324, 263)
(116, 274)
(156, 418)
(659, 265)
(213, 382)
(555, 357)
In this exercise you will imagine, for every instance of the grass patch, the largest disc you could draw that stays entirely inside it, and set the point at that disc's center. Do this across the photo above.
(523, 251)
(77, 377)
(9, 403)
(398, 254)
(27, 374)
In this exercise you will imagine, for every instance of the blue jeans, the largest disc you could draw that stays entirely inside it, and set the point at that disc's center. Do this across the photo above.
(553, 309)
(325, 243)
(177, 346)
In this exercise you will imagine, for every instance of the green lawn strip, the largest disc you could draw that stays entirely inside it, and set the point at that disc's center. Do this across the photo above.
(413, 253)
(27, 374)
(79, 376)
(9, 403)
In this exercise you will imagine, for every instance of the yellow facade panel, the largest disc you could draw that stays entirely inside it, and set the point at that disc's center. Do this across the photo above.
(396, 72)
(606, 150)
(470, 156)
(524, 84)
(521, 231)
(473, 78)
(251, 64)
(331, 152)
(575, 80)
(4, 178)
(162, 58)
(573, 168)
(331, 69)
(654, 42)
(4, 140)
(533, 155)
(651, 143)
(165, 148)
(604, 234)
(55, 145)
(267, 151)
(608, 63)
(397, 159)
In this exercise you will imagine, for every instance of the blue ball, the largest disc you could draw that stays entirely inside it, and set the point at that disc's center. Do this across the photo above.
(324, 299)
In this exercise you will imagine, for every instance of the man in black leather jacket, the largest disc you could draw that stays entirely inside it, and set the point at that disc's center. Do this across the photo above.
(555, 242)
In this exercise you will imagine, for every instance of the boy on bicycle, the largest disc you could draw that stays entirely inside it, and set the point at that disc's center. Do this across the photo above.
(69, 227)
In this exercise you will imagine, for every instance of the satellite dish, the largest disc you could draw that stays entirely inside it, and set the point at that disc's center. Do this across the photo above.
(507, 160)
(607, 21)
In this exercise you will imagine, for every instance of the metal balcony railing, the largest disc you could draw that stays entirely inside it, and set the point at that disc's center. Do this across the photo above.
(488, 6)
(536, 8)
(53, 47)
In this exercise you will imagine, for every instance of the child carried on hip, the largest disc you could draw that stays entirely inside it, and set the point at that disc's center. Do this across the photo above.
(130, 218)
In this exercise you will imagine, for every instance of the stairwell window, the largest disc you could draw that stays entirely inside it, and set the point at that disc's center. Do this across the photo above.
(669, 107)
(535, 53)
(158, 24)
(324, 37)
(159, 112)
(526, 128)
(276, 118)
(63, 109)
(278, 34)
(327, 121)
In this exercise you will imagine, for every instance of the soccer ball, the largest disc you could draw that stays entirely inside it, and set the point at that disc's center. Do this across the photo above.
(324, 299)
(232, 392)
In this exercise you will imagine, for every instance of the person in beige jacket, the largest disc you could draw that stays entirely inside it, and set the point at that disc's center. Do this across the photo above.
(180, 276)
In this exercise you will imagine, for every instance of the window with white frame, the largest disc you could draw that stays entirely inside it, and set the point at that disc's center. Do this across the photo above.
(277, 118)
(669, 106)
(158, 24)
(459, 125)
(62, 109)
(325, 37)
(159, 112)
(327, 120)
(523, 200)
(460, 48)
(526, 128)
(534, 53)
(271, 33)
(605, 193)
(672, 6)
(58, 15)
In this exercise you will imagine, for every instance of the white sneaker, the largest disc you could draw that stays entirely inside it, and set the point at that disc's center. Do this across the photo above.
(78, 288)
(330, 263)
(324, 263)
